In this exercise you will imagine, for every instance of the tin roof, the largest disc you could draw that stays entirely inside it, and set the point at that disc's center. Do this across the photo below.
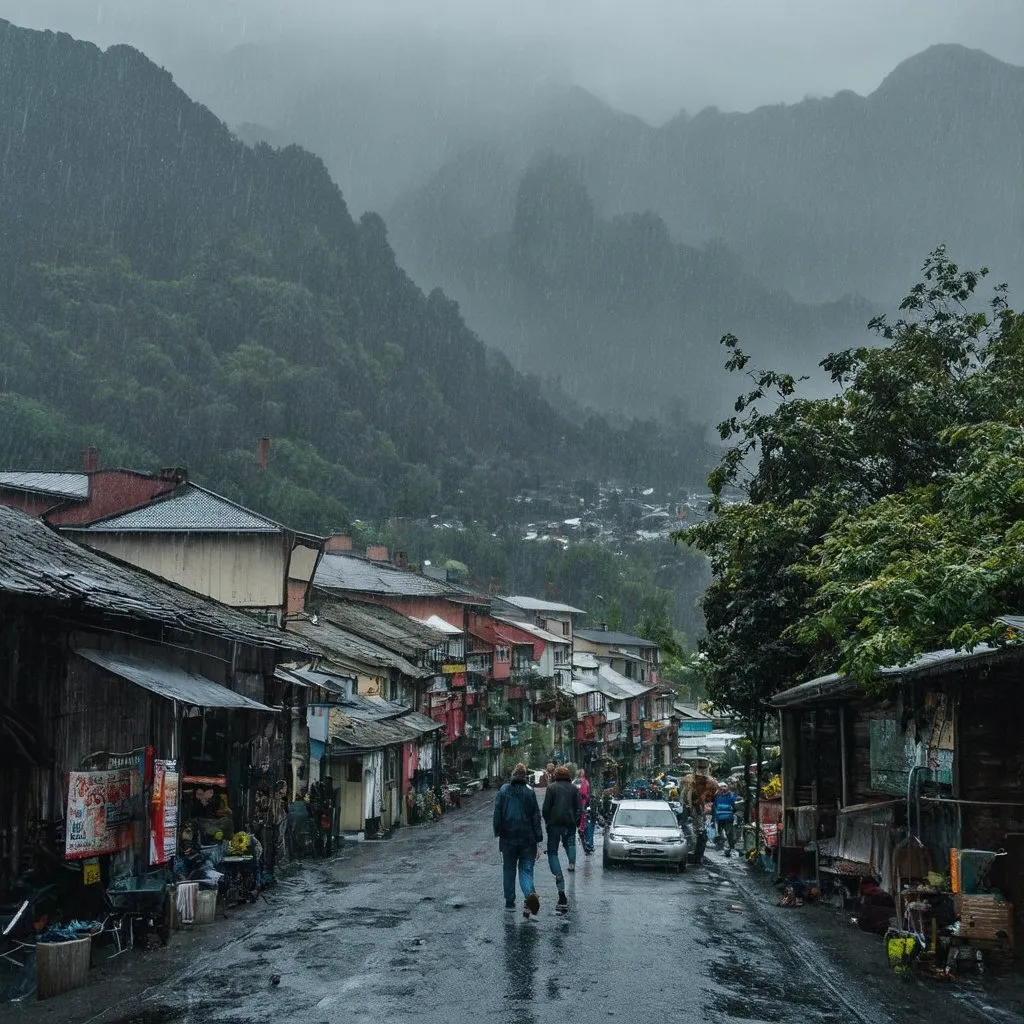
(305, 676)
(536, 604)
(441, 625)
(617, 686)
(37, 562)
(383, 626)
(169, 681)
(370, 723)
(189, 508)
(61, 485)
(342, 644)
(362, 576)
(540, 634)
(613, 637)
(835, 685)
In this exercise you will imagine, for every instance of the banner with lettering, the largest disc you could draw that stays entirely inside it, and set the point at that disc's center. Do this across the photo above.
(163, 818)
(99, 812)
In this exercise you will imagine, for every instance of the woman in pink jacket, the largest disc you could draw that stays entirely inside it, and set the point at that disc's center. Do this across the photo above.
(586, 825)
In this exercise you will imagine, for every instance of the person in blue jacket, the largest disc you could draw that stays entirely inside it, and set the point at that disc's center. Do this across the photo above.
(724, 812)
(517, 827)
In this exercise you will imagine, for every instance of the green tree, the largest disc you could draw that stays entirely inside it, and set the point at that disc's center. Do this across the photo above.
(814, 473)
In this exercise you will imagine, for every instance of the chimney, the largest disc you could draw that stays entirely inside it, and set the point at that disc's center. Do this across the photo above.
(174, 474)
(377, 553)
(401, 560)
(603, 627)
(338, 542)
(263, 452)
(91, 460)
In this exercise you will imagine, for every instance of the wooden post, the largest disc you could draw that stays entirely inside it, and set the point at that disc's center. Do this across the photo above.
(843, 767)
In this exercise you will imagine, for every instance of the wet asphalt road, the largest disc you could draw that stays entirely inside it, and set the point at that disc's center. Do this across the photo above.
(414, 929)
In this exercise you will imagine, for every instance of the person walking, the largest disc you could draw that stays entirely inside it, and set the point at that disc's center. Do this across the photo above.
(724, 811)
(561, 815)
(586, 825)
(516, 823)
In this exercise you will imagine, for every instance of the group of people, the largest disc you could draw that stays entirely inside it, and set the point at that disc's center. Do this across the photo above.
(520, 819)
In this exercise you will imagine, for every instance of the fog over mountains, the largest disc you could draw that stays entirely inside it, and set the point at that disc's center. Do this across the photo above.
(789, 223)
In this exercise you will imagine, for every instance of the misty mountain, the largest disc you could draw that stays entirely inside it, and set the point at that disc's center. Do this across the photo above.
(840, 195)
(171, 293)
(824, 198)
(624, 316)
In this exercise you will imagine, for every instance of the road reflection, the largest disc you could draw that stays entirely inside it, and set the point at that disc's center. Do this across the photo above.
(521, 938)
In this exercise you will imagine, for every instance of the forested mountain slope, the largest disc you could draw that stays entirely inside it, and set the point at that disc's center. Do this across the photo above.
(172, 294)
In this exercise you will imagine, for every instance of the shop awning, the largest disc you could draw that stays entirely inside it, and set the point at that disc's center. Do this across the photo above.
(169, 681)
(304, 676)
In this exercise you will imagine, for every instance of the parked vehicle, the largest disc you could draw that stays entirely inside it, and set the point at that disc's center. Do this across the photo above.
(647, 832)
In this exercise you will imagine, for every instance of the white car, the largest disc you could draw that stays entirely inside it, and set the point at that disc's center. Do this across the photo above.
(644, 832)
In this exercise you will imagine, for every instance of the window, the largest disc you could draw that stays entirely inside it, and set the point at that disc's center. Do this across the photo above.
(565, 628)
(636, 818)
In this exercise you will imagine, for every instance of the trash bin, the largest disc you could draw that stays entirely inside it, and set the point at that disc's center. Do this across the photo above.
(206, 906)
(62, 966)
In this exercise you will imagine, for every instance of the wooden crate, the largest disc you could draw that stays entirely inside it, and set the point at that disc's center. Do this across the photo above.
(985, 918)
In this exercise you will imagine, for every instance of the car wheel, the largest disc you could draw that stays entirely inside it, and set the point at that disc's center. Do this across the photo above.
(681, 867)
(605, 861)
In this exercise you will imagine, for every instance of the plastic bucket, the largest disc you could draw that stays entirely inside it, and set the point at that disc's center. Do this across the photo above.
(62, 966)
(206, 906)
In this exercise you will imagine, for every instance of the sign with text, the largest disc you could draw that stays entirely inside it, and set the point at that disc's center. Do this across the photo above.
(99, 811)
(163, 819)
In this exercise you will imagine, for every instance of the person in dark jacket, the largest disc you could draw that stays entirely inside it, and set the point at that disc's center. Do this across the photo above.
(562, 807)
(517, 827)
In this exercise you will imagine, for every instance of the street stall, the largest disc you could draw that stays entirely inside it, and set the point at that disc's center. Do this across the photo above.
(904, 801)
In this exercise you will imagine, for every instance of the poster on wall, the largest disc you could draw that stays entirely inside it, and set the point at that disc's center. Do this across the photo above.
(163, 818)
(99, 812)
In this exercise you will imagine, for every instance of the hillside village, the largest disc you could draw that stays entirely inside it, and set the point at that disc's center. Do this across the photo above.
(154, 625)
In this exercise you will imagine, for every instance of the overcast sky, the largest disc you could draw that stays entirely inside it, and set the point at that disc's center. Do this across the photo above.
(650, 57)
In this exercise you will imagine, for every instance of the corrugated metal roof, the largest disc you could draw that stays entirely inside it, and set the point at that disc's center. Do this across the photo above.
(62, 485)
(584, 659)
(37, 562)
(341, 645)
(834, 685)
(617, 686)
(613, 637)
(540, 634)
(383, 626)
(190, 508)
(169, 681)
(305, 676)
(580, 686)
(436, 622)
(687, 712)
(361, 576)
(536, 604)
(355, 732)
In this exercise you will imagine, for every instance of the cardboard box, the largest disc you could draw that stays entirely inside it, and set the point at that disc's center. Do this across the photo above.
(985, 917)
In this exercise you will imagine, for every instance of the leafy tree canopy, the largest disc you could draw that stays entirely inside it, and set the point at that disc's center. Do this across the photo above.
(881, 521)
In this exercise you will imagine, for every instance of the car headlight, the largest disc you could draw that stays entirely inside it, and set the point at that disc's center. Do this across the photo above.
(676, 840)
(615, 837)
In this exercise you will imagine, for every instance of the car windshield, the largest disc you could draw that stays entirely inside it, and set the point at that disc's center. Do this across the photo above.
(653, 818)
